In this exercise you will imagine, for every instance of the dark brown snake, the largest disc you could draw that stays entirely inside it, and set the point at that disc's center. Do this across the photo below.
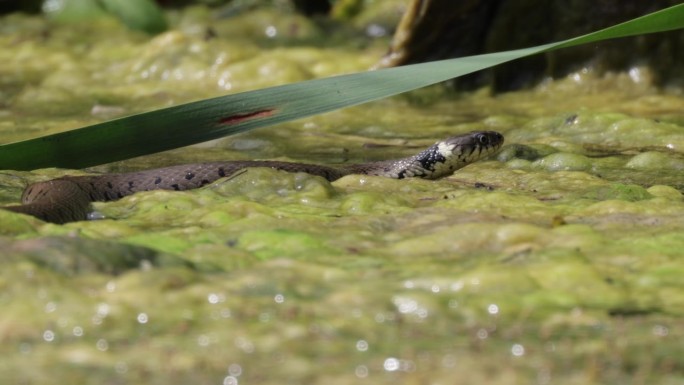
(68, 198)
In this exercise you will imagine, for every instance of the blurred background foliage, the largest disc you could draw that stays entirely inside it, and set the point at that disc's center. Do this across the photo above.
(434, 30)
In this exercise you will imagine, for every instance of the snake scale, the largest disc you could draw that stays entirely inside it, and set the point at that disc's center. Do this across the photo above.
(68, 198)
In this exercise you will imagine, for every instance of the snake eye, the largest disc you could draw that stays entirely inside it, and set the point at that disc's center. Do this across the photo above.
(483, 139)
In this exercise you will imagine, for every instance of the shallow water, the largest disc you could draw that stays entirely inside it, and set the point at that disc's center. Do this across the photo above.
(557, 261)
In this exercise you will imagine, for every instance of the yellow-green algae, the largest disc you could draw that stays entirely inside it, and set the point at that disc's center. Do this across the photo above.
(559, 261)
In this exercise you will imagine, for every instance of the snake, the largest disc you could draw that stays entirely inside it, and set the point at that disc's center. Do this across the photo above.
(69, 198)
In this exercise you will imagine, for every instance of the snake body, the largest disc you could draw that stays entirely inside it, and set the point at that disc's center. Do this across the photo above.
(68, 198)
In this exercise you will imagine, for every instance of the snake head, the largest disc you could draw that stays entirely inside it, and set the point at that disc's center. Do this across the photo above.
(481, 141)
(489, 139)
(471, 146)
(448, 155)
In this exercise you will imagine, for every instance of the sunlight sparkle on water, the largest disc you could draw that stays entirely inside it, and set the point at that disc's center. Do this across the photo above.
(235, 370)
(121, 367)
(50, 307)
(102, 345)
(203, 340)
(102, 310)
(110, 286)
(271, 31)
(49, 336)
(214, 298)
(77, 331)
(409, 306)
(142, 318)
(518, 350)
(361, 371)
(635, 74)
(244, 344)
(392, 364)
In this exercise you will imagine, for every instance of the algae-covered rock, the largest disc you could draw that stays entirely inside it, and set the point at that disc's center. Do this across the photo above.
(652, 160)
(563, 162)
(75, 255)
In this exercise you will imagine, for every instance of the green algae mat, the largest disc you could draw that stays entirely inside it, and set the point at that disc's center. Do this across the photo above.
(559, 261)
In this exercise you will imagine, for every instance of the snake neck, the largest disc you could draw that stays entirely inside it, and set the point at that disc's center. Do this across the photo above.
(431, 163)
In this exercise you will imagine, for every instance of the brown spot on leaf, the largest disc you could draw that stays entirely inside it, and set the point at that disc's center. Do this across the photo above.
(239, 118)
